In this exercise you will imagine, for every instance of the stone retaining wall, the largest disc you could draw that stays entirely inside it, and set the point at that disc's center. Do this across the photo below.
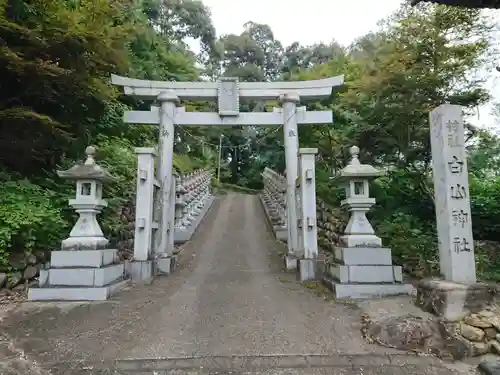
(331, 223)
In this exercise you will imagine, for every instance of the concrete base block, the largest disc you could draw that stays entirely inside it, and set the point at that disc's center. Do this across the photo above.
(366, 274)
(363, 291)
(75, 294)
(451, 300)
(291, 262)
(140, 271)
(86, 276)
(308, 270)
(165, 266)
(43, 278)
(83, 258)
(357, 256)
(281, 234)
(181, 236)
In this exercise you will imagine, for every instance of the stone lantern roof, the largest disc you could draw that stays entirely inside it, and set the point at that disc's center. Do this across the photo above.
(357, 170)
(88, 170)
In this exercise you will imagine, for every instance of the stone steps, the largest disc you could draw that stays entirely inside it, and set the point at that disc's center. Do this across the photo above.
(80, 275)
(76, 293)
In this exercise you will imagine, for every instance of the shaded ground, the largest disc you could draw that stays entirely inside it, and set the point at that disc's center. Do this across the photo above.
(228, 308)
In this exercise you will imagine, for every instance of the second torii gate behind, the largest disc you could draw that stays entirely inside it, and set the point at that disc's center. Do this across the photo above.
(228, 92)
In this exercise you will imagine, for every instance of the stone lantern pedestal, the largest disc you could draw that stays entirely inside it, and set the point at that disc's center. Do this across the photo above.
(362, 268)
(85, 269)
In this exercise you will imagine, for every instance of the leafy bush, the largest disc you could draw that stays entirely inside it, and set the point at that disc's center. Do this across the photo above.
(485, 208)
(29, 219)
(118, 157)
(413, 246)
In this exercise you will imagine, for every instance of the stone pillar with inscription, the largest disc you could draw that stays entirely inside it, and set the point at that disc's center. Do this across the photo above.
(459, 293)
(451, 195)
(289, 102)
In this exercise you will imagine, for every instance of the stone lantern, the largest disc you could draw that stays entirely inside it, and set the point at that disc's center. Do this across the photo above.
(88, 203)
(356, 178)
(85, 269)
(362, 268)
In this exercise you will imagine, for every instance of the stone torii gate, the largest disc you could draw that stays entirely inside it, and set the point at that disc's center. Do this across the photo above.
(227, 91)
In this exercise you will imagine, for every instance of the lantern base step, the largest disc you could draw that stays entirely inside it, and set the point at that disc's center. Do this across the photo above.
(360, 256)
(82, 277)
(366, 274)
(83, 258)
(76, 293)
(363, 291)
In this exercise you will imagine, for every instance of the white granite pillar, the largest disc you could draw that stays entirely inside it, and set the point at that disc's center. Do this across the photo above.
(451, 194)
(289, 102)
(144, 203)
(168, 101)
(308, 198)
(308, 234)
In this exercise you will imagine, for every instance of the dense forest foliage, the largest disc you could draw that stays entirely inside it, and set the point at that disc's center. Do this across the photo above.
(56, 98)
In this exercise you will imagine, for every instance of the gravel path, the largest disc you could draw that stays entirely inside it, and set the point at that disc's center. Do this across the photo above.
(228, 307)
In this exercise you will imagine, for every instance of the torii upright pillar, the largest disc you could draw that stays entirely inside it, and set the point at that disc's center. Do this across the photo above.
(168, 103)
(289, 102)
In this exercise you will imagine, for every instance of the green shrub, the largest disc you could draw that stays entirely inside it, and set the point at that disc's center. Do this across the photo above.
(413, 246)
(117, 155)
(485, 207)
(30, 219)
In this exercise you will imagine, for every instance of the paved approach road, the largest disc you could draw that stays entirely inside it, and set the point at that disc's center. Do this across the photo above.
(228, 309)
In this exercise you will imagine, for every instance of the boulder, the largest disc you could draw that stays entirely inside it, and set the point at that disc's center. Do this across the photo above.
(491, 333)
(492, 317)
(476, 321)
(495, 345)
(459, 347)
(31, 259)
(406, 333)
(14, 279)
(3, 279)
(471, 333)
(480, 348)
(31, 272)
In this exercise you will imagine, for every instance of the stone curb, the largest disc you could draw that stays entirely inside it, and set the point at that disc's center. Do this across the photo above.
(220, 363)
